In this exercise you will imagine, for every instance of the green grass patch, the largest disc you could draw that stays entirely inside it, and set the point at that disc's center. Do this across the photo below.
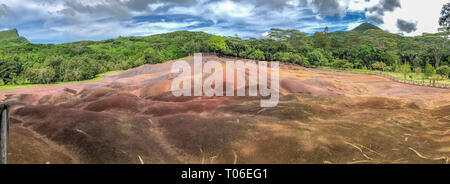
(8, 87)
(97, 78)
(415, 77)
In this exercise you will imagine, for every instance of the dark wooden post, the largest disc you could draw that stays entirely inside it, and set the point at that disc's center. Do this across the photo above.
(4, 133)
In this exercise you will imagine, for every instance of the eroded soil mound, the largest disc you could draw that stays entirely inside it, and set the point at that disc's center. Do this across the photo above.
(322, 117)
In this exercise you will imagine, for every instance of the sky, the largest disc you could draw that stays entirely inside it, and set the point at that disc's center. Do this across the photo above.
(61, 21)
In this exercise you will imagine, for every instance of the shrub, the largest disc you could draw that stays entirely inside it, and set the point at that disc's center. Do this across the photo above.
(41, 74)
(405, 69)
(348, 66)
(379, 66)
(258, 55)
(151, 56)
(418, 70)
(290, 57)
(317, 58)
(339, 63)
(443, 71)
(388, 68)
(429, 70)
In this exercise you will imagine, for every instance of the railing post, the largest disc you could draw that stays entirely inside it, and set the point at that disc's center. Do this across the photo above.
(4, 133)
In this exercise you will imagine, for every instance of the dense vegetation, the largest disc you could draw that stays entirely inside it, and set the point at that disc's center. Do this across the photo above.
(365, 47)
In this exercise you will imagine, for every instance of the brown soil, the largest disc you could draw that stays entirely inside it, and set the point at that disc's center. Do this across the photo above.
(322, 117)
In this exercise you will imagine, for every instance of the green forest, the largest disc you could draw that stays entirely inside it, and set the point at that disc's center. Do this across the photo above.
(365, 47)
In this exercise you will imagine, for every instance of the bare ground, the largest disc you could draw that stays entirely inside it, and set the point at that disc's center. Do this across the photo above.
(322, 117)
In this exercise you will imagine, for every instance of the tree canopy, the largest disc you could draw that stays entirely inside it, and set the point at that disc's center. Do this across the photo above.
(365, 47)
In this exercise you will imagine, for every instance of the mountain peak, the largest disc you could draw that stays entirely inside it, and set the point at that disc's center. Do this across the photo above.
(13, 33)
(364, 27)
(11, 38)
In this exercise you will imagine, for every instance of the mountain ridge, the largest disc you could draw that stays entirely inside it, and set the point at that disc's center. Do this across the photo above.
(8, 34)
(11, 37)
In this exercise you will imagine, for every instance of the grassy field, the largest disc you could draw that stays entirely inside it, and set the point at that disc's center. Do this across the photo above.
(97, 78)
(410, 77)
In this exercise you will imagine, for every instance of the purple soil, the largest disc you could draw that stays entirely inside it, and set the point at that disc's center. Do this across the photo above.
(322, 117)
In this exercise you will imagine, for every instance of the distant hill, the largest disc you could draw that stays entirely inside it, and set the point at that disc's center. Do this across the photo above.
(11, 38)
(9, 34)
(360, 30)
(364, 27)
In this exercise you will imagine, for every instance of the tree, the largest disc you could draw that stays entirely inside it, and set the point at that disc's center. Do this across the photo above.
(55, 63)
(405, 69)
(409, 49)
(258, 55)
(428, 71)
(322, 40)
(41, 74)
(444, 20)
(317, 58)
(169, 53)
(296, 41)
(300, 60)
(217, 44)
(291, 58)
(443, 71)
(151, 56)
(417, 61)
(436, 45)
(388, 57)
(367, 54)
(10, 69)
(191, 47)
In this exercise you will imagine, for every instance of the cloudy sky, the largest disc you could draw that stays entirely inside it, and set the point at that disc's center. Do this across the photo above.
(58, 21)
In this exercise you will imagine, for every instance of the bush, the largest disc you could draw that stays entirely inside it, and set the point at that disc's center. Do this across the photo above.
(443, 71)
(405, 69)
(429, 70)
(339, 63)
(41, 74)
(299, 59)
(388, 68)
(379, 66)
(258, 55)
(317, 58)
(151, 56)
(291, 58)
(418, 70)
(348, 66)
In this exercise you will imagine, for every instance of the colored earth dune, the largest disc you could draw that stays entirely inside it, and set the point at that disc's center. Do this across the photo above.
(322, 117)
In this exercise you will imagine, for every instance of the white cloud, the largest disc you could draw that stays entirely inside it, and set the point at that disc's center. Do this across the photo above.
(126, 28)
(42, 20)
(425, 13)
(231, 9)
(361, 5)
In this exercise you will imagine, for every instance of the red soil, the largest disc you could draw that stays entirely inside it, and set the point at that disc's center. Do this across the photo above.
(322, 117)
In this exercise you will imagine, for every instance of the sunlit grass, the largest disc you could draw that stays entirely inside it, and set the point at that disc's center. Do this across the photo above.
(97, 78)
(413, 77)
(8, 87)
